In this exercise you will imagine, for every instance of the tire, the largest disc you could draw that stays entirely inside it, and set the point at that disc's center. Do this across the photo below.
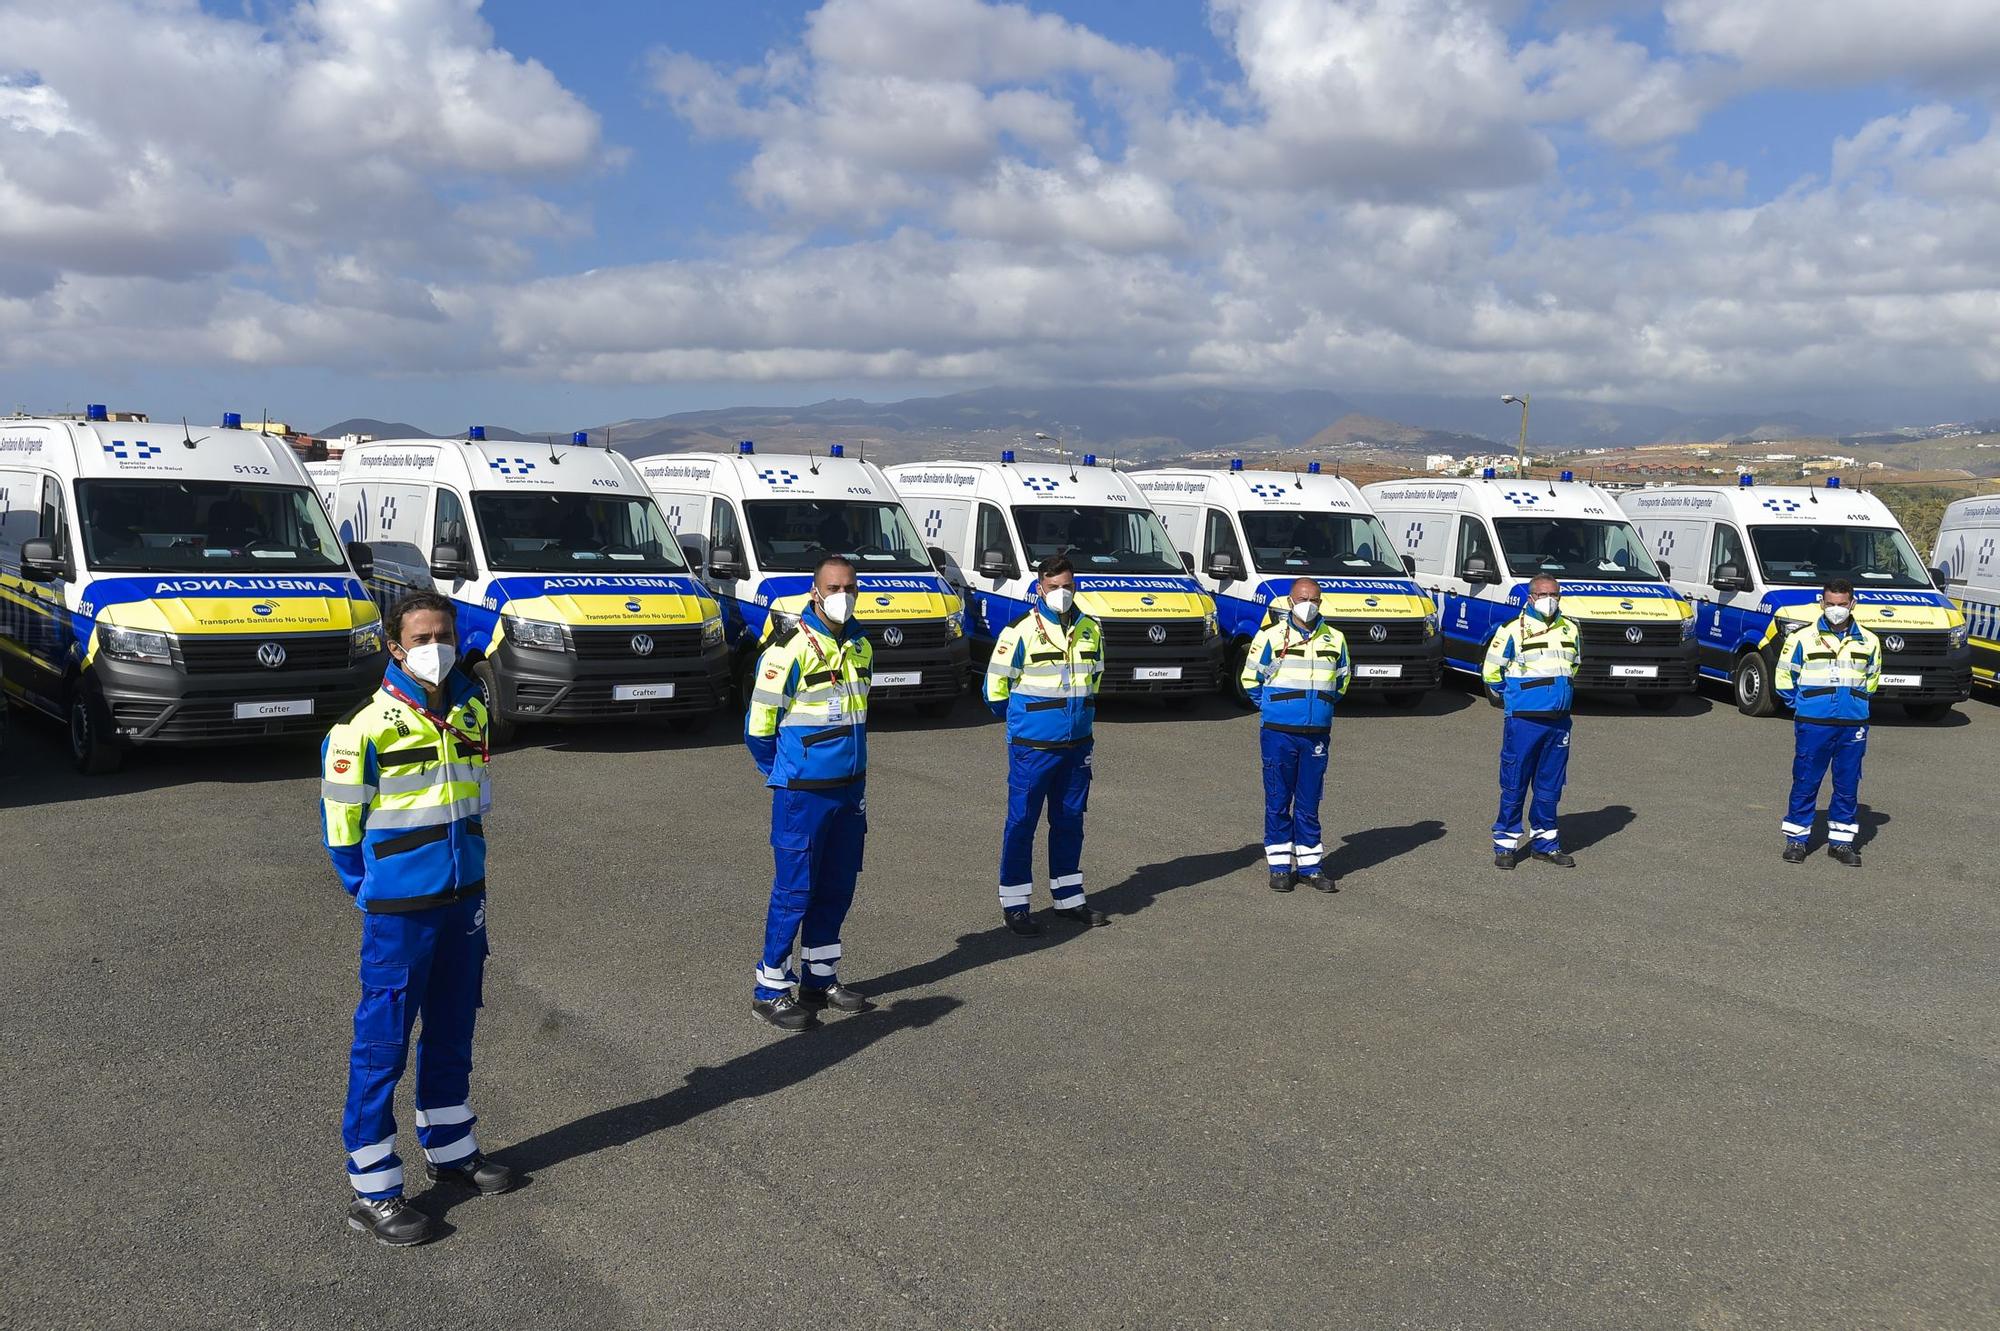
(499, 730)
(1403, 700)
(1927, 711)
(93, 748)
(1233, 661)
(1750, 684)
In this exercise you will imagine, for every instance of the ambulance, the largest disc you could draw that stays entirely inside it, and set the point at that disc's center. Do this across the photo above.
(1475, 544)
(161, 584)
(1966, 563)
(573, 600)
(757, 524)
(1247, 536)
(988, 524)
(1753, 559)
(326, 480)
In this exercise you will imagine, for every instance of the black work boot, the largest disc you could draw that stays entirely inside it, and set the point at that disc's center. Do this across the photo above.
(1084, 915)
(1021, 922)
(391, 1220)
(783, 1012)
(1506, 859)
(836, 996)
(1281, 880)
(1846, 854)
(1320, 882)
(1561, 859)
(1795, 852)
(488, 1178)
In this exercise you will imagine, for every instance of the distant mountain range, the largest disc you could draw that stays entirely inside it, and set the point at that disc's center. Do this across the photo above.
(1155, 424)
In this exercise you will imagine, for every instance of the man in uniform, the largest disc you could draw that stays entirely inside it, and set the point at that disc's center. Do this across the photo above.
(1042, 679)
(1530, 665)
(1827, 672)
(403, 791)
(1296, 670)
(807, 729)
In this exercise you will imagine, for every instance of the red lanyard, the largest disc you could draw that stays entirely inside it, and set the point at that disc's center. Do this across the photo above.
(463, 739)
(1069, 644)
(839, 657)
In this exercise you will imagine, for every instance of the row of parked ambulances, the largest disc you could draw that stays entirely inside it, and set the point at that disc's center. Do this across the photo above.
(161, 585)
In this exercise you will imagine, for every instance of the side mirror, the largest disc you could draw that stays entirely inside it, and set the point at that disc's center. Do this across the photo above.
(1222, 567)
(1478, 570)
(726, 561)
(1666, 570)
(448, 561)
(690, 548)
(1410, 565)
(1729, 578)
(41, 563)
(1187, 561)
(362, 556)
(939, 559)
(1940, 579)
(995, 564)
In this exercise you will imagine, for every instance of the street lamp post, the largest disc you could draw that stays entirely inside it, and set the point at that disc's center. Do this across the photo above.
(1521, 464)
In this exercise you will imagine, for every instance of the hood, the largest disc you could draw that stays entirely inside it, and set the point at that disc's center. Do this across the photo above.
(1877, 611)
(1146, 597)
(192, 606)
(1628, 602)
(1355, 598)
(877, 596)
(641, 603)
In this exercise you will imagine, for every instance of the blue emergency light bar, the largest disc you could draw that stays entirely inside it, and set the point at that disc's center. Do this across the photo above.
(1006, 455)
(1312, 468)
(838, 450)
(1569, 475)
(580, 437)
(96, 411)
(1744, 478)
(1236, 464)
(1487, 474)
(1090, 459)
(746, 446)
(232, 420)
(476, 433)
(1833, 482)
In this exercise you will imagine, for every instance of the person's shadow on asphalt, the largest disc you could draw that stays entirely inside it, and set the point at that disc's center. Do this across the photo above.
(1581, 831)
(765, 1069)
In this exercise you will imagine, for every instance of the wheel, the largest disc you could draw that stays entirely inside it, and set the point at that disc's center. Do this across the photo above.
(92, 746)
(1403, 700)
(1654, 702)
(499, 730)
(1233, 662)
(1927, 711)
(1752, 686)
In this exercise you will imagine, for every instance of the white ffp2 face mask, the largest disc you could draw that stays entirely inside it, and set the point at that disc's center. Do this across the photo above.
(1837, 615)
(1305, 611)
(837, 606)
(1546, 606)
(1060, 599)
(431, 662)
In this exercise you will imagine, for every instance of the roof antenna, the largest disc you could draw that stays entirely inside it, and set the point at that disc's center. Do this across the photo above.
(187, 439)
(555, 458)
(812, 460)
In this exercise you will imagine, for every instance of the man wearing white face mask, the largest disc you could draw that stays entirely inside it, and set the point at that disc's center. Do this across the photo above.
(1827, 672)
(1530, 665)
(403, 791)
(1296, 670)
(1042, 680)
(807, 730)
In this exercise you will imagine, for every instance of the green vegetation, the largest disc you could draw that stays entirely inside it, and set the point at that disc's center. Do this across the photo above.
(1920, 508)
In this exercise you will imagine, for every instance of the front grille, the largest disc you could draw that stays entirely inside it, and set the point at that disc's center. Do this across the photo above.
(208, 720)
(1396, 632)
(1915, 644)
(1139, 632)
(917, 636)
(1196, 677)
(210, 656)
(616, 644)
(1595, 633)
(591, 701)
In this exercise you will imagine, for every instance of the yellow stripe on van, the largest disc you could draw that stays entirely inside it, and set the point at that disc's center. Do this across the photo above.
(593, 609)
(193, 616)
(1133, 605)
(1635, 609)
(1370, 605)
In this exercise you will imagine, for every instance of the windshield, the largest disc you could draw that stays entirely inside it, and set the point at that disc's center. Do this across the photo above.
(1575, 548)
(215, 526)
(541, 533)
(1810, 555)
(793, 535)
(1320, 544)
(1098, 540)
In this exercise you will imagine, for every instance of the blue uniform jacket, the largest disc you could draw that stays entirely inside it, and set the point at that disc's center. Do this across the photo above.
(806, 727)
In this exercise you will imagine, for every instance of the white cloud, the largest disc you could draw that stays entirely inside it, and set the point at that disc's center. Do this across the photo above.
(1954, 42)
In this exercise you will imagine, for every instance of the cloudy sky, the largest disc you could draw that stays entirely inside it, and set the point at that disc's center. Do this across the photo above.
(562, 214)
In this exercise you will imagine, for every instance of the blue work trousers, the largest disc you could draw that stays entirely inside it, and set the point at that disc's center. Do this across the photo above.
(428, 963)
(1294, 777)
(1815, 748)
(1534, 756)
(817, 838)
(1061, 779)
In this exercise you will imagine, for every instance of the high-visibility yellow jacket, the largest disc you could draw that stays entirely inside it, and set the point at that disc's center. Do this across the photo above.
(1296, 676)
(807, 726)
(1531, 663)
(1827, 675)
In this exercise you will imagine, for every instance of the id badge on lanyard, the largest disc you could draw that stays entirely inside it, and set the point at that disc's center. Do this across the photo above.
(836, 706)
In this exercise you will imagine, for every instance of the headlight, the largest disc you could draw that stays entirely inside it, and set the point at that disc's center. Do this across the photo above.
(135, 645)
(1208, 625)
(1430, 626)
(954, 623)
(364, 642)
(537, 633)
(1687, 628)
(711, 632)
(1959, 636)
(783, 621)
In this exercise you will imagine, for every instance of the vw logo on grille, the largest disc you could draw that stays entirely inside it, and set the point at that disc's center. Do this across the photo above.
(1156, 634)
(642, 644)
(1635, 634)
(1894, 642)
(1377, 633)
(892, 636)
(271, 655)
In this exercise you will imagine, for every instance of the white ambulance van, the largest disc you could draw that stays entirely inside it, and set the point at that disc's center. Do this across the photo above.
(756, 525)
(1476, 543)
(574, 602)
(326, 480)
(988, 525)
(1249, 535)
(1966, 563)
(1753, 559)
(167, 585)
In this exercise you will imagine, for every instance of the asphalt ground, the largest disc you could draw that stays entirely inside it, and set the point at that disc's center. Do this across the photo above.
(1682, 1085)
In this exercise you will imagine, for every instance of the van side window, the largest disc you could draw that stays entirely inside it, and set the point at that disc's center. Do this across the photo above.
(1727, 549)
(724, 534)
(1473, 543)
(1219, 537)
(449, 528)
(992, 534)
(54, 529)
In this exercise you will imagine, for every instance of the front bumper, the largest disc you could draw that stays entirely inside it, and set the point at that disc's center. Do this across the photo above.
(1141, 668)
(1403, 662)
(539, 685)
(941, 672)
(1607, 663)
(1945, 677)
(164, 704)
